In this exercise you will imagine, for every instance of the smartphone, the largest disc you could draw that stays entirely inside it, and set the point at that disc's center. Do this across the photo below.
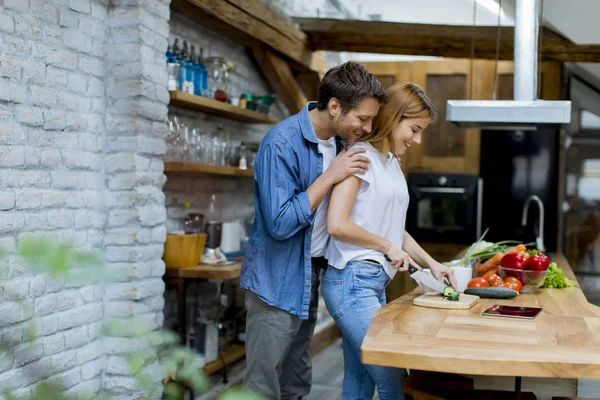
(512, 312)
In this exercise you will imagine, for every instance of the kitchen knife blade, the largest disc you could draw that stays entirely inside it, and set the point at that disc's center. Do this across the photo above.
(427, 281)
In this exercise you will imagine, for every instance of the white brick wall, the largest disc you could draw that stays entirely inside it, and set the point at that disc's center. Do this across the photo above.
(83, 106)
(68, 107)
(131, 147)
(46, 112)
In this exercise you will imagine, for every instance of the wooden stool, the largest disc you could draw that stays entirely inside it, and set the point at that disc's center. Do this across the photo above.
(421, 394)
(574, 398)
(422, 385)
(435, 381)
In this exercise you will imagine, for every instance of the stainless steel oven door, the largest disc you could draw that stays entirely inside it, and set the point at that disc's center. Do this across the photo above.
(445, 214)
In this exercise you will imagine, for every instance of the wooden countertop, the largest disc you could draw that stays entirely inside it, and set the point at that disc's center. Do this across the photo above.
(206, 272)
(562, 342)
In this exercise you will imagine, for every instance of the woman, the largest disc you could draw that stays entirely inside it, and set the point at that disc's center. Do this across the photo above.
(366, 218)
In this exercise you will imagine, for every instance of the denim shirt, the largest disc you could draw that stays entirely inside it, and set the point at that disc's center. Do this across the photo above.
(277, 267)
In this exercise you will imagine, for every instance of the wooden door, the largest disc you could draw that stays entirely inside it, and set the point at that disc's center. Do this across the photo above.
(446, 147)
(550, 81)
(390, 73)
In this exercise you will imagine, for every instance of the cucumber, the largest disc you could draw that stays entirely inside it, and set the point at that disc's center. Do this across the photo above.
(453, 296)
(448, 290)
(493, 292)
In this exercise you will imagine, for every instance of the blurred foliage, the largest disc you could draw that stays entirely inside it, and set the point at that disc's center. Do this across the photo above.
(160, 349)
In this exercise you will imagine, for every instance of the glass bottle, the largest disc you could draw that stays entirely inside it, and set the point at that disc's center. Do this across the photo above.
(192, 71)
(176, 50)
(182, 57)
(243, 164)
(169, 54)
(204, 72)
(200, 76)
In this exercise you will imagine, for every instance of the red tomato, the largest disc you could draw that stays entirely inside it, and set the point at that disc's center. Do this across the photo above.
(492, 278)
(478, 283)
(513, 283)
(497, 283)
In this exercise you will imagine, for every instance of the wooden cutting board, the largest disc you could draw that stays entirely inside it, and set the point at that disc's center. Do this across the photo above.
(435, 300)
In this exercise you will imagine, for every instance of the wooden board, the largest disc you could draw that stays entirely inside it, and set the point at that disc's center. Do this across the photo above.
(451, 41)
(218, 108)
(230, 355)
(206, 272)
(562, 342)
(196, 168)
(435, 300)
(281, 78)
(249, 22)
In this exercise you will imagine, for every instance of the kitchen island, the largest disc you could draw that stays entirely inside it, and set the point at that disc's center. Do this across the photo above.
(562, 343)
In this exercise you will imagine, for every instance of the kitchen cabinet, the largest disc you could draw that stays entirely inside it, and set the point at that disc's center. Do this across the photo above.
(445, 147)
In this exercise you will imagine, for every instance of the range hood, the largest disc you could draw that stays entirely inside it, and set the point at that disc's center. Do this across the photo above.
(524, 112)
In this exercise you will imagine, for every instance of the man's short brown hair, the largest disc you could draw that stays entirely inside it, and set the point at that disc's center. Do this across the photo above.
(349, 83)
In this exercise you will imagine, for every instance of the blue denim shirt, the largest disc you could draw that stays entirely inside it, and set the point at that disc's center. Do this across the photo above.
(277, 266)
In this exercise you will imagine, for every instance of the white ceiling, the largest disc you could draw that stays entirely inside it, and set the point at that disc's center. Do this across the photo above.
(575, 19)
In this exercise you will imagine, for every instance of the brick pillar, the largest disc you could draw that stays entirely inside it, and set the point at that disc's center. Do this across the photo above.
(135, 230)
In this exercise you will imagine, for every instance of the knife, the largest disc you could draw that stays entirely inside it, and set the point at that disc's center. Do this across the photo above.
(425, 280)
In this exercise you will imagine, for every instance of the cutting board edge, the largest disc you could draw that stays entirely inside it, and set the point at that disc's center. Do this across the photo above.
(444, 304)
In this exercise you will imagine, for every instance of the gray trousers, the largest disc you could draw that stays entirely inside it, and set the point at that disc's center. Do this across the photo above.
(278, 357)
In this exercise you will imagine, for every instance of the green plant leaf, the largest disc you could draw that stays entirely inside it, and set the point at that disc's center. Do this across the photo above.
(173, 391)
(240, 394)
(198, 381)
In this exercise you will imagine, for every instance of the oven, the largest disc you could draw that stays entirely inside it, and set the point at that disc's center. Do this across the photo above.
(444, 208)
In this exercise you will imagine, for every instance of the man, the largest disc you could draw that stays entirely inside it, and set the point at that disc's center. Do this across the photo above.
(295, 168)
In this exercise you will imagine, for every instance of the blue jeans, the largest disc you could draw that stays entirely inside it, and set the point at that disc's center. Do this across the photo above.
(352, 296)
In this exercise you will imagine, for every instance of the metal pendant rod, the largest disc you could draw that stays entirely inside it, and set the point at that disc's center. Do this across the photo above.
(525, 49)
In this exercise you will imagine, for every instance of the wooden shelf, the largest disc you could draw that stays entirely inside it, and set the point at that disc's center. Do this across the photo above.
(230, 355)
(218, 108)
(206, 272)
(196, 168)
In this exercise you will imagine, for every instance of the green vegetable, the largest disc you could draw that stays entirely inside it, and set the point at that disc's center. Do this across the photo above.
(448, 290)
(492, 292)
(454, 297)
(486, 250)
(555, 278)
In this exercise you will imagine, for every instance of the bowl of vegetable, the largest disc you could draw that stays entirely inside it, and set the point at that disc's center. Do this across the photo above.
(530, 279)
(529, 267)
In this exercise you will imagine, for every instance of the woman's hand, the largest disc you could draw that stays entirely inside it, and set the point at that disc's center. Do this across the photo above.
(440, 271)
(399, 258)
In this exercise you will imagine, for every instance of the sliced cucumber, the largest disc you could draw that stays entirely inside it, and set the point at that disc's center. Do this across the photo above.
(448, 290)
(492, 292)
(453, 297)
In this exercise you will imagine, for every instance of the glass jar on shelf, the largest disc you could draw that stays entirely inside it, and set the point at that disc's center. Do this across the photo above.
(215, 67)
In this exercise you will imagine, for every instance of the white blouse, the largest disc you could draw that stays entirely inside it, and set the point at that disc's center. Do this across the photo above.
(380, 208)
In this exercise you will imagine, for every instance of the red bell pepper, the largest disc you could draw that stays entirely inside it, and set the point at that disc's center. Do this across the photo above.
(538, 262)
(513, 261)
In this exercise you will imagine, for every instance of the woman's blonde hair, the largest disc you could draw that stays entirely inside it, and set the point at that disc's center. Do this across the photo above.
(405, 100)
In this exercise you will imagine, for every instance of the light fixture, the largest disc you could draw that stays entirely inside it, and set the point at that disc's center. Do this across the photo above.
(524, 112)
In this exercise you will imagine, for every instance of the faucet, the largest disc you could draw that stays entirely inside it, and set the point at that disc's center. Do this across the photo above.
(539, 241)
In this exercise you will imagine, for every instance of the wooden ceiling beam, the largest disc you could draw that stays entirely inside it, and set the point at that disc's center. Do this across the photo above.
(434, 40)
(250, 23)
(281, 78)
